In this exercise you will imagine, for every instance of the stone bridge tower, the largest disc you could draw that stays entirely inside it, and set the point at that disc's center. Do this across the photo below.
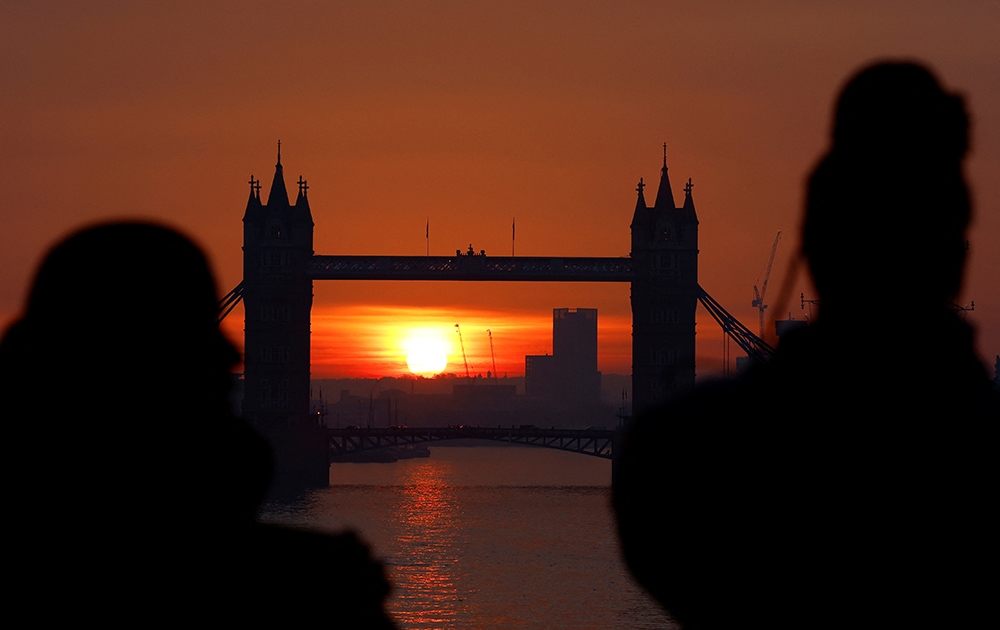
(277, 298)
(664, 294)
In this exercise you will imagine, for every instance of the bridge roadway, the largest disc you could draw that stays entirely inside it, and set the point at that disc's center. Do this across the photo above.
(594, 442)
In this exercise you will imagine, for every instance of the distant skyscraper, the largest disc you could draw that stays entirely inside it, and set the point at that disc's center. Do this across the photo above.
(569, 374)
(664, 294)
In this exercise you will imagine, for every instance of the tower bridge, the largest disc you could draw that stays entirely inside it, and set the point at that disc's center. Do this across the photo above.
(279, 267)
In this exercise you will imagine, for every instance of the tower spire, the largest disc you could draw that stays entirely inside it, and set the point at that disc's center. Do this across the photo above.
(664, 195)
(279, 194)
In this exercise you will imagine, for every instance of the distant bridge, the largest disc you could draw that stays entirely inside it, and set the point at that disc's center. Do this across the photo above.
(594, 442)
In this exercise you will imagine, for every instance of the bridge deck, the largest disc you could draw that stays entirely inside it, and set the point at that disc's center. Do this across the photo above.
(595, 442)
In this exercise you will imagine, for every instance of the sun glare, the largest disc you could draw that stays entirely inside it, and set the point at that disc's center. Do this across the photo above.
(426, 351)
(370, 341)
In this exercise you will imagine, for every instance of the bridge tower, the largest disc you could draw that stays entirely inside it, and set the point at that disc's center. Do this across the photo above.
(664, 294)
(277, 298)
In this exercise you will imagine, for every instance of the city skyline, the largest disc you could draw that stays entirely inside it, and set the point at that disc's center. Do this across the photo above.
(466, 118)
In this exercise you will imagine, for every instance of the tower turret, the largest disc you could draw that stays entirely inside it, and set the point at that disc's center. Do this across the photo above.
(254, 208)
(641, 218)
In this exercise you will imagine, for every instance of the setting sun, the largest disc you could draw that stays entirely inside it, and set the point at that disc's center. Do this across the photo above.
(426, 351)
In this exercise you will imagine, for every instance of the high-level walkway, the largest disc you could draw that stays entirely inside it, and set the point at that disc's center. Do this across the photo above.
(472, 268)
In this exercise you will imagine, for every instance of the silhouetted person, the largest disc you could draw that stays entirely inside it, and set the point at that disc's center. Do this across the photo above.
(134, 489)
(850, 482)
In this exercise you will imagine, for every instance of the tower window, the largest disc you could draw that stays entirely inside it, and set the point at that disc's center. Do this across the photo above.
(663, 357)
(274, 313)
(666, 261)
(274, 259)
(664, 316)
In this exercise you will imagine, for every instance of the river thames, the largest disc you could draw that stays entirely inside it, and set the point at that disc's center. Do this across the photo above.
(486, 537)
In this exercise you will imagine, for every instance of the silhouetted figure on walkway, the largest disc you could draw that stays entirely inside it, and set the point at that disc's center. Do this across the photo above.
(851, 481)
(134, 489)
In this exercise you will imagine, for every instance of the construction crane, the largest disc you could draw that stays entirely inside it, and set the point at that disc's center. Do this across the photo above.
(492, 354)
(758, 295)
(464, 358)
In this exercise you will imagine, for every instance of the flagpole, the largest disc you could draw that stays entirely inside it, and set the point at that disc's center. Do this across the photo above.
(512, 238)
(427, 236)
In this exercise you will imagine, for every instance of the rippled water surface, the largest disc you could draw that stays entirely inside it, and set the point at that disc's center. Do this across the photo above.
(487, 537)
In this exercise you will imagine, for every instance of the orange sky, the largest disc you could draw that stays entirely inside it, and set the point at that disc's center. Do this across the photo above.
(468, 114)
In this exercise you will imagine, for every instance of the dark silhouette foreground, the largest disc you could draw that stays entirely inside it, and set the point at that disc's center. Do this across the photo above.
(851, 481)
(135, 490)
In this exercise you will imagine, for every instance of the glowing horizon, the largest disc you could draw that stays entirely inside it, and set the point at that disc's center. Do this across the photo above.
(373, 340)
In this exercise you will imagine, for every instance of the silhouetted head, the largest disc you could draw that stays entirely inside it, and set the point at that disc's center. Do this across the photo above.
(131, 308)
(887, 208)
(122, 377)
(132, 292)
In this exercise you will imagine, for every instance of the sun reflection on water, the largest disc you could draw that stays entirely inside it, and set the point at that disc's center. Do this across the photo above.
(486, 537)
(424, 576)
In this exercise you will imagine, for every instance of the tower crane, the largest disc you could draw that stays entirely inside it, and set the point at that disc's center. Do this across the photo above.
(464, 358)
(492, 354)
(758, 295)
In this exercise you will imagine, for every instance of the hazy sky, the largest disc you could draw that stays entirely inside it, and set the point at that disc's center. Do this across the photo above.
(467, 114)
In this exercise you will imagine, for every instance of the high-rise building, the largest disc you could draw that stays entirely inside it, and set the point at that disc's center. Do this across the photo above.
(569, 374)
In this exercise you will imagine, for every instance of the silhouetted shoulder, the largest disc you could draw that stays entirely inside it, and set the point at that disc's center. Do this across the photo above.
(307, 575)
(685, 519)
(804, 487)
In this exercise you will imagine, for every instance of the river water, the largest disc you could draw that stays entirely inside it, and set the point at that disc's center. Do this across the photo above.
(486, 537)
